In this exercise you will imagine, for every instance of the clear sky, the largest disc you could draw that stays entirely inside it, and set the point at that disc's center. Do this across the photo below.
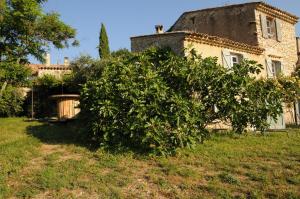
(126, 18)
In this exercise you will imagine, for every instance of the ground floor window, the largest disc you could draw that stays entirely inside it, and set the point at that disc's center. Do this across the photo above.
(276, 68)
(235, 58)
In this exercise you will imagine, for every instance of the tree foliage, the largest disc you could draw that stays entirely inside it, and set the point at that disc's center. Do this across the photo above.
(11, 102)
(25, 30)
(158, 102)
(104, 51)
(14, 74)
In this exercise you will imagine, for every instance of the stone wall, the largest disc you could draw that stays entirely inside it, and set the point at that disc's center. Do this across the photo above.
(171, 40)
(58, 73)
(232, 22)
(284, 51)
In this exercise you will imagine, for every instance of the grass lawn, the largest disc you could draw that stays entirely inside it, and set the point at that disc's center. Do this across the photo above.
(38, 160)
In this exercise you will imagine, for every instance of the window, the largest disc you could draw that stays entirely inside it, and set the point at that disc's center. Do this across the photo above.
(276, 68)
(235, 59)
(271, 28)
(231, 58)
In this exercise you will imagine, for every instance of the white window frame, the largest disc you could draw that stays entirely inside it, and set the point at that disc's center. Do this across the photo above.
(238, 59)
(234, 59)
(274, 68)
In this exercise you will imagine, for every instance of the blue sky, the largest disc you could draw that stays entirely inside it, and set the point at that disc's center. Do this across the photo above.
(126, 18)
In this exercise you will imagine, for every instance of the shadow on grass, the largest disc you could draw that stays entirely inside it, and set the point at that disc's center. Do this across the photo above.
(72, 132)
(59, 133)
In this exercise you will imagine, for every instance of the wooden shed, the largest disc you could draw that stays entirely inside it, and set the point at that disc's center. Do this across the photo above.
(67, 106)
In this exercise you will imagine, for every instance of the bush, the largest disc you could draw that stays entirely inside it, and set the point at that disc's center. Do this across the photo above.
(158, 102)
(139, 103)
(11, 102)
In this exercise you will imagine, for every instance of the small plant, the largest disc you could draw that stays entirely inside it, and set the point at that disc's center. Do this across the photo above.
(227, 178)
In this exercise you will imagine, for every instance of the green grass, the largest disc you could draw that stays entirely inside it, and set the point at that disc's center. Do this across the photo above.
(40, 160)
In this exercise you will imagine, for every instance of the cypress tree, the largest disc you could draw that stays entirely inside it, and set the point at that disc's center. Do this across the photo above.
(104, 51)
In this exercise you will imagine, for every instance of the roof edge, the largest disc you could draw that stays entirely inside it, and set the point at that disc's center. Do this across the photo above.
(259, 4)
(276, 12)
(161, 34)
(210, 40)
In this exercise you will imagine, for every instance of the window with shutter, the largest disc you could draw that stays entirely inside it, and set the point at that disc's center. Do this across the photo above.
(274, 68)
(271, 27)
(235, 58)
(230, 58)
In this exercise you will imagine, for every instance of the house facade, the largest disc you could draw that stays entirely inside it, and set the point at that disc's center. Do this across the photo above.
(56, 70)
(255, 31)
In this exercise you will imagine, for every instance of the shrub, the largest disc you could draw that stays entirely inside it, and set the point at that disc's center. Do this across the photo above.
(156, 101)
(138, 103)
(11, 102)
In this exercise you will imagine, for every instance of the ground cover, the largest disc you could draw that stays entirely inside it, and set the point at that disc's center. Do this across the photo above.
(39, 160)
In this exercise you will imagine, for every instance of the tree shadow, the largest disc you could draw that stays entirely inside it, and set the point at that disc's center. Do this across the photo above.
(73, 133)
(59, 133)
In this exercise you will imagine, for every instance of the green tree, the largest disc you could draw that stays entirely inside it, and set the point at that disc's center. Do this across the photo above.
(25, 30)
(11, 102)
(104, 51)
(121, 53)
(159, 102)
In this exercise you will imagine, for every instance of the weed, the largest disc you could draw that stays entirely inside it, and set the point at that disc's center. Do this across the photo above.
(227, 178)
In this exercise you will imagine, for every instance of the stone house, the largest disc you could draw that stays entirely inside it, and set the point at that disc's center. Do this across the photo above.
(57, 70)
(256, 31)
(40, 103)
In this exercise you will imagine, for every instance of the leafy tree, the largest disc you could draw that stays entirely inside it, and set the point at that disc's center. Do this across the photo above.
(158, 102)
(11, 102)
(104, 51)
(123, 52)
(14, 74)
(26, 30)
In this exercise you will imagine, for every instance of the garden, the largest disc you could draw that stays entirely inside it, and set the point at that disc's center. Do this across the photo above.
(145, 125)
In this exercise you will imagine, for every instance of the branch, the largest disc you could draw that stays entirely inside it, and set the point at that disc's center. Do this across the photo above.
(3, 88)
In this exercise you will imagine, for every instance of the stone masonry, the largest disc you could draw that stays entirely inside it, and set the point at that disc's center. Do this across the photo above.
(242, 29)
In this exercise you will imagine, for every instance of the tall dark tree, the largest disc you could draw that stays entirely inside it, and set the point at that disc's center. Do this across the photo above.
(104, 51)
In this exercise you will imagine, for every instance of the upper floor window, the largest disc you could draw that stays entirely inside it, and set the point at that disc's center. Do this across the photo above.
(271, 28)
